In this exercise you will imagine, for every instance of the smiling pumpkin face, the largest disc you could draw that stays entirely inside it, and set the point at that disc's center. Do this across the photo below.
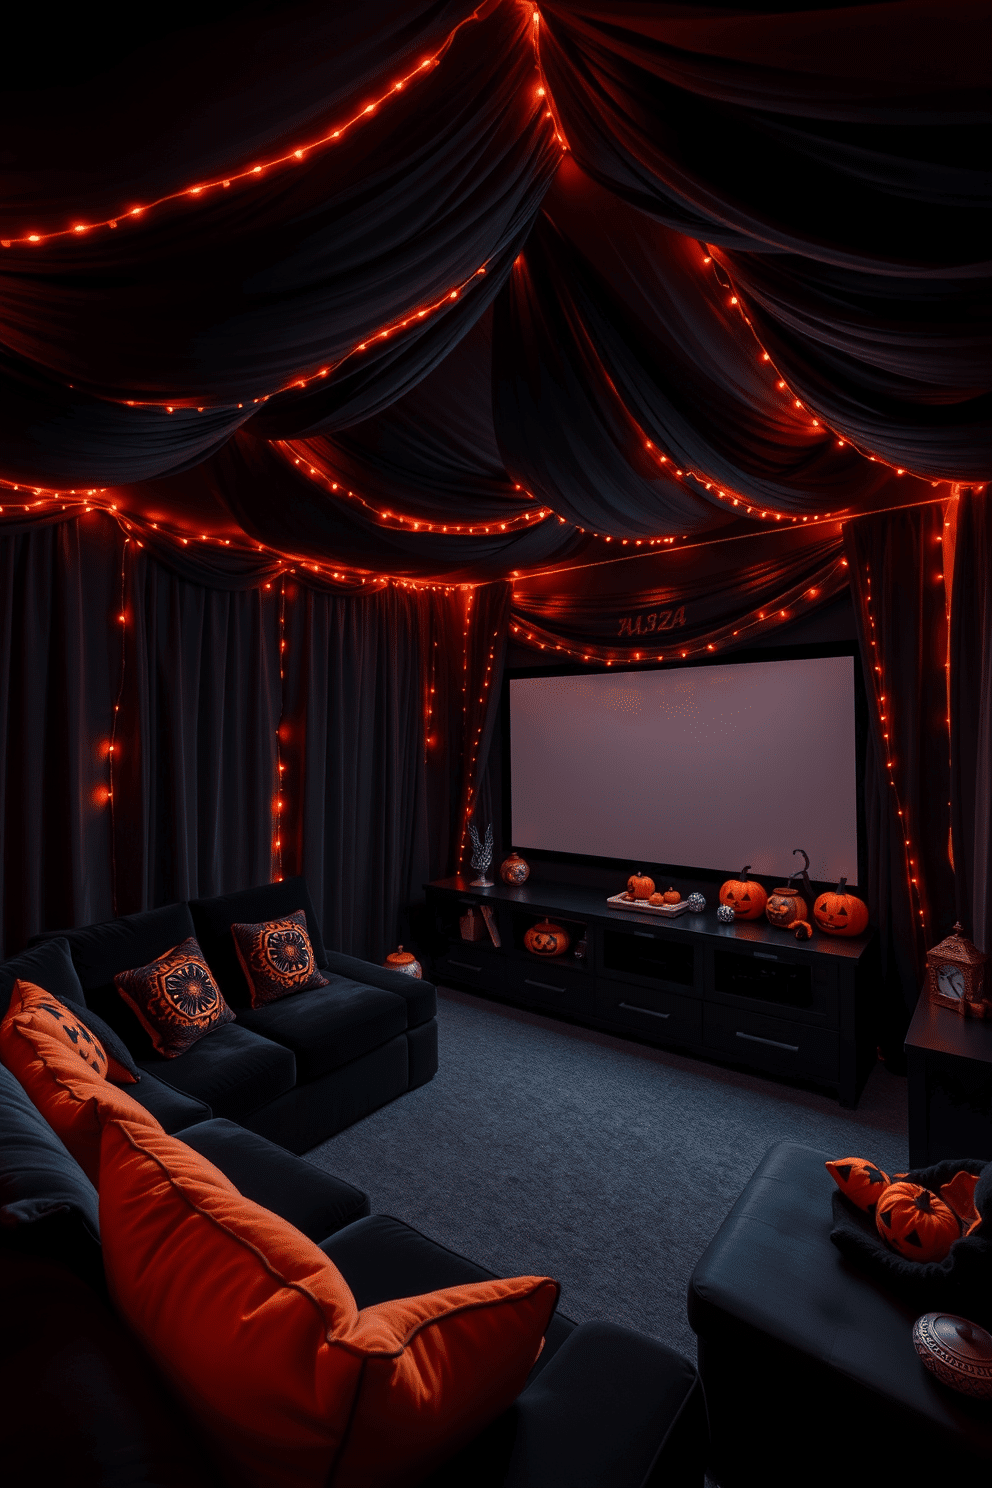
(840, 913)
(784, 906)
(744, 896)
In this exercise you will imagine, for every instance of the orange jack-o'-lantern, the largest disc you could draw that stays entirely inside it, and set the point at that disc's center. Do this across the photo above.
(640, 885)
(546, 939)
(916, 1222)
(744, 895)
(785, 906)
(840, 913)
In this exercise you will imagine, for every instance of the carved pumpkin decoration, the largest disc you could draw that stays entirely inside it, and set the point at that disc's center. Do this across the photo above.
(640, 885)
(785, 906)
(802, 928)
(841, 913)
(672, 896)
(546, 939)
(744, 895)
(915, 1222)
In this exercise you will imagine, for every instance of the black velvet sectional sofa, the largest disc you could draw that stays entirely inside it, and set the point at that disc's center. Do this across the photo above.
(84, 1404)
(296, 1071)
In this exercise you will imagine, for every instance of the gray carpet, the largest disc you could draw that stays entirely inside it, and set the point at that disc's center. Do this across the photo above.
(539, 1148)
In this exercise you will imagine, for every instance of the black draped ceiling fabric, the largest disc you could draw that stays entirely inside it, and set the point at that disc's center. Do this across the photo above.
(682, 603)
(761, 264)
(834, 158)
(630, 396)
(214, 301)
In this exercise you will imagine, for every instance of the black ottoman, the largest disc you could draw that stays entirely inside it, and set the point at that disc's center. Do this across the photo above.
(808, 1366)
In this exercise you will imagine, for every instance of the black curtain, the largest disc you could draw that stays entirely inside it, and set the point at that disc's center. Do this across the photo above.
(897, 583)
(60, 660)
(971, 716)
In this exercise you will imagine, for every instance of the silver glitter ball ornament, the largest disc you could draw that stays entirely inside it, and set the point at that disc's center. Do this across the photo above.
(696, 903)
(725, 914)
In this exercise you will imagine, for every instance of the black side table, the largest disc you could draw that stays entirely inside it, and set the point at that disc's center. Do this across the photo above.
(949, 1064)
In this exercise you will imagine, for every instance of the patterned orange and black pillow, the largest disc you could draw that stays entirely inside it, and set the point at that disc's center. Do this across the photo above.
(49, 1014)
(277, 958)
(859, 1180)
(175, 998)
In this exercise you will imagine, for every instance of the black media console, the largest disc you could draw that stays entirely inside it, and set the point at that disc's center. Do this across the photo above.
(745, 993)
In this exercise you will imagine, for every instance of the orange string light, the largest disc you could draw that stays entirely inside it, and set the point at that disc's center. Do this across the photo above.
(258, 171)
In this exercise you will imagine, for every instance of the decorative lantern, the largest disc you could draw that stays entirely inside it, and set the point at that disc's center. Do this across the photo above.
(958, 975)
(514, 870)
(402, 960)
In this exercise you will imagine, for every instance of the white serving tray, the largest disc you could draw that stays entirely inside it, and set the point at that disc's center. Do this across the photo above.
(670, 911)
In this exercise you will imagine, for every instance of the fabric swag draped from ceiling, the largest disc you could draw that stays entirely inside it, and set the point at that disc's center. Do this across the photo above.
(340, 346)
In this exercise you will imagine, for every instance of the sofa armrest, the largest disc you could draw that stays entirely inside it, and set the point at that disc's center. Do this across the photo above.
(612, 1406)
(420, 996)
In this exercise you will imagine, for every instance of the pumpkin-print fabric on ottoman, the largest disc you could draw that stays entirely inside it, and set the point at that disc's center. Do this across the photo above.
(175, 998)
(277, 958)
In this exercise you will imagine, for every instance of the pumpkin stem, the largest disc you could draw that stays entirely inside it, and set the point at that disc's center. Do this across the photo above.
(745, 869)
(805, 867)
(841, 886)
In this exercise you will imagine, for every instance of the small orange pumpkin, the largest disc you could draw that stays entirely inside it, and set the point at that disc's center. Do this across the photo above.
(640, 885)
(656, 898)
(840, 913)
(546, 939)
(672, 896)
(915, 1222)
(785, 906)
(803, 929)
(744, 895)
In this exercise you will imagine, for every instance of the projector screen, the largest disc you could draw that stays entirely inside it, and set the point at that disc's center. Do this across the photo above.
(706, 767)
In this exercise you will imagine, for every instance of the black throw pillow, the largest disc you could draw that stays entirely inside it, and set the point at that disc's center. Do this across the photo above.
(48, 965)
(48, 1206)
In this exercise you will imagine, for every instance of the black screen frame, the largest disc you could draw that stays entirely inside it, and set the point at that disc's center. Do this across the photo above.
(812, 650)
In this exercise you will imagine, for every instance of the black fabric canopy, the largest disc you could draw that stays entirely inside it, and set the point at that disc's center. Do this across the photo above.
(357, 318)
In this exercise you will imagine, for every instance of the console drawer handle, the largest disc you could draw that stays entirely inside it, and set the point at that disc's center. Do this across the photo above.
(775, 1043)
(545, 986)
(644, 934)
(633, 1008)
(766, 955)
(462, 965)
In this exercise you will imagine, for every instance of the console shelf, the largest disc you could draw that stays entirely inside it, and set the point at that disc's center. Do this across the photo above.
(744, 994)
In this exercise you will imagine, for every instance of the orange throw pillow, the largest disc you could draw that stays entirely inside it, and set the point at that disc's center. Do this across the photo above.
(859, 1180)
(260, 1335)
(66, 1087)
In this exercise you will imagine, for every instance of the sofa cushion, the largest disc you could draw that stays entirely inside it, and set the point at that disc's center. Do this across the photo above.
(99, 952)
(276, 957)
(329, 1026)
(67, 1091)
(232, 1069)
(82, 1404)
(172, 1108)
(296, 1190)
(48, 965)
(213, 919)
(48, 1206)
(420, 996)
(175, 998)
(78, 1028)
(292, 1383)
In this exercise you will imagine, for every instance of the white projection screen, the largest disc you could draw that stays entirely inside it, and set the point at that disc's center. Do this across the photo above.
(705, 767)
